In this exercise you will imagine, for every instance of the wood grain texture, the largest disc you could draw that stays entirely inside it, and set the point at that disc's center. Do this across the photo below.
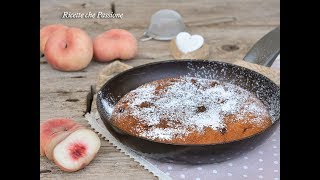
(229, 27)
(268, 72)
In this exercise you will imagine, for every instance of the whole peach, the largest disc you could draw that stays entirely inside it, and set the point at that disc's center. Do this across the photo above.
(69, 49)
(46, 32)
(114, 44)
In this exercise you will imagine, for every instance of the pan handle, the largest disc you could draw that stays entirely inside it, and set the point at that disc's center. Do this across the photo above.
(266, 50)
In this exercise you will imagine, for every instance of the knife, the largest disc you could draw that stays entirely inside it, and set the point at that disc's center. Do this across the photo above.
(266, 50)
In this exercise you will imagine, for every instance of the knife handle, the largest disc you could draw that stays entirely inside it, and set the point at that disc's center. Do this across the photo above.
(266, 50)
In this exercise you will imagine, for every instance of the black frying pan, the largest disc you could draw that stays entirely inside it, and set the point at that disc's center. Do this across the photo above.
(266, 90)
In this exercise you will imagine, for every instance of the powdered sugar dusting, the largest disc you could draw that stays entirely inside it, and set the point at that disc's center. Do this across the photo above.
(189, 104)
(262, 88)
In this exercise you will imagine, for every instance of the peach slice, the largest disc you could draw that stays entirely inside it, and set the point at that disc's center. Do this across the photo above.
(115, 44)
(46, 32)
(68, 144)
(54, 131)
(69, 49)
(77, 150)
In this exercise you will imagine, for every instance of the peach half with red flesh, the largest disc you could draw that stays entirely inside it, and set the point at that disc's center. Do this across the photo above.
(68, 144)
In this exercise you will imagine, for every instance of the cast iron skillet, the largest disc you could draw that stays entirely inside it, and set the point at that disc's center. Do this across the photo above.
(267, 91)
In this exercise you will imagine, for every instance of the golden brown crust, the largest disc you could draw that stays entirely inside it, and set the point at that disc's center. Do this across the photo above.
(245, 122)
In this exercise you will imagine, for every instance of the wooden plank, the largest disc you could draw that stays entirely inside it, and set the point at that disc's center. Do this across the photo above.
(203, 12)
(136, 15)
(226, 44)
(53, 81)
(108, 164)
(63, 104)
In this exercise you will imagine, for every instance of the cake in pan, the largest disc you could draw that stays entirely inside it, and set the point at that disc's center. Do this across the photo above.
(187, 110)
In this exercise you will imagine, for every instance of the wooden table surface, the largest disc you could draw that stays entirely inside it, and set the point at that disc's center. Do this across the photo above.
(230, 27)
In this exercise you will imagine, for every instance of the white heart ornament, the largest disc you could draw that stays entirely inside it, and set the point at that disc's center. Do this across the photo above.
(187, 43)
